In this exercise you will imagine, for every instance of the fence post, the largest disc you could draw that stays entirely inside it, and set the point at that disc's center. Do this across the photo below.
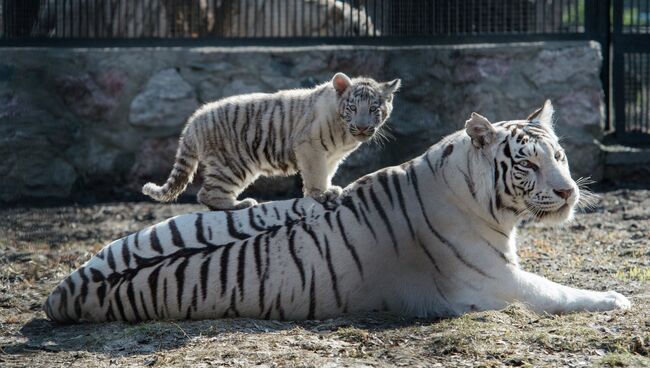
(602, 33)
(618, 71)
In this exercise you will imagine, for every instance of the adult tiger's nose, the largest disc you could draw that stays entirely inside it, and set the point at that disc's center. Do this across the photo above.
(563, 193)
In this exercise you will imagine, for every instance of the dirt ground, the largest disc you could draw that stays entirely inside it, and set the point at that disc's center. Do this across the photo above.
(606, 249)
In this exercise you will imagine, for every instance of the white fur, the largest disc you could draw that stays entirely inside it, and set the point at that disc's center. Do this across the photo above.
(412, 239)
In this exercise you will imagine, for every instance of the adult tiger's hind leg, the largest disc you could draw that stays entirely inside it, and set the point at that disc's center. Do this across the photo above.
(222, 184)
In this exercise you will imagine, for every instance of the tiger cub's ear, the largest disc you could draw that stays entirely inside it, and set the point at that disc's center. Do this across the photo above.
(480, 130)
(341, 82)
(389, 88)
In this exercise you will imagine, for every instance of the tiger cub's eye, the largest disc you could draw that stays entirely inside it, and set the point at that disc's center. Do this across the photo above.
(559, 156)
(353, 108)
(373, 108)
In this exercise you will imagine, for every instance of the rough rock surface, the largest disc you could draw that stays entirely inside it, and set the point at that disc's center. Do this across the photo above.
(166, 101)
(89, 117)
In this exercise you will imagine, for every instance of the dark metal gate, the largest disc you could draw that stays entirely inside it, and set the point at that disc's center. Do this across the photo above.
(631, 70)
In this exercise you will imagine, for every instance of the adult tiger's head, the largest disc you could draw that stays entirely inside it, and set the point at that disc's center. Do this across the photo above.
(531, 171)
(364, 104)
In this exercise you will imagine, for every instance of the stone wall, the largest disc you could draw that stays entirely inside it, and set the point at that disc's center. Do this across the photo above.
(84, 120)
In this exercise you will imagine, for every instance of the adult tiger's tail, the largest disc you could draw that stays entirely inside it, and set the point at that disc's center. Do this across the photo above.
(182, 173)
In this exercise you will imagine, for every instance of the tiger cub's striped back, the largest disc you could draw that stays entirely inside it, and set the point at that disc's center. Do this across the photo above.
(308, 130)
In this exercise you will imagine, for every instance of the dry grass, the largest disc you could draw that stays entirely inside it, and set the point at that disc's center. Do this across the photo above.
(606, 249)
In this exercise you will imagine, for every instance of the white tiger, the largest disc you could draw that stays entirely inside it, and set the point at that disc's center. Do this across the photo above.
(434, 236)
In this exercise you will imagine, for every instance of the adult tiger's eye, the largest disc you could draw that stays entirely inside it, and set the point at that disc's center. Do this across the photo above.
(373, 108)
(353, 108)
(527, 164)
(559, 155)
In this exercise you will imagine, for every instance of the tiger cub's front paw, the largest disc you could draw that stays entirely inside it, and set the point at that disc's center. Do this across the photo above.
(329, 195)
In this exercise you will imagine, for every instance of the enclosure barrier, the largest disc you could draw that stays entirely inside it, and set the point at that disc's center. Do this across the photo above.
(123, 23)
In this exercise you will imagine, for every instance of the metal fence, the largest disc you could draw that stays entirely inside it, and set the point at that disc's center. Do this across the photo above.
(101, 23)
(631, 69)
(223, 19)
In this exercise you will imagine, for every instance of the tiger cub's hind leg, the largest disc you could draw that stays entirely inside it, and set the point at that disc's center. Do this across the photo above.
(222, 185)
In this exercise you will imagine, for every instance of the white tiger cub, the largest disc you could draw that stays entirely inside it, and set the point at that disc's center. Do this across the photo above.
(434, 236)
(308, 130)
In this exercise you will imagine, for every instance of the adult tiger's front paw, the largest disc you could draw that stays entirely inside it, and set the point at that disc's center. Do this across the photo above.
(614, 300)
(328, 195)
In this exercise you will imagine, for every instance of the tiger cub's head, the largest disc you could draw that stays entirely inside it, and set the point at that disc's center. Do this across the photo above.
(531, 171)
(364, 104)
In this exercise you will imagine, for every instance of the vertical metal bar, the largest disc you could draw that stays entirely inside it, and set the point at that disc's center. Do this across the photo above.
(97, 17)
(506, 19)
(302, 19)
(624, 92)
(576, 11)
(552, 23)
(48, 23)
(637, 16)
(246, 9)
(544, 19)
(79, 19)
(638, 91)
(351, 20)
(644, 91)
(272, 18)
(566, 8)
(312, 14)
(618, 71)
(6, 13)
(70, 19)
(376, 23)
(132, 20)
(365, 6)
(187, 6)
(646, 82)
(86, 6)
(145, 25)
(597, 26)
(489, 19)
(383, 18)
(358, 3)
(162, 5)
(635, 97)
(630, 90)
(117, 19)
(262, 21)
(63, 17)
(318, 20)
(277, 20)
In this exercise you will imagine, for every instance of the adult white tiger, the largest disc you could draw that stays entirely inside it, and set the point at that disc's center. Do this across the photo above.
(434, 236)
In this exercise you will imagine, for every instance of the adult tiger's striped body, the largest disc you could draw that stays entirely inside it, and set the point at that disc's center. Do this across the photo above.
(434, 236)
(307, 130)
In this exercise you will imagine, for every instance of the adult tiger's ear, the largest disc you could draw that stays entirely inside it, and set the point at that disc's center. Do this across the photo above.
(389, 88)
(543, 116)
(341, 82)
(480, 130)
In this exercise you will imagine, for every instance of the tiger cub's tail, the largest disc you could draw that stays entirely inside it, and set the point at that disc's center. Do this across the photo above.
(182, 173)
